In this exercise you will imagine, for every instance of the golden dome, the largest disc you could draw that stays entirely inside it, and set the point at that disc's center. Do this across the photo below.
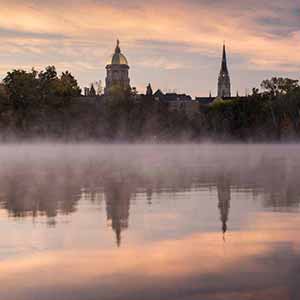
(118, 58)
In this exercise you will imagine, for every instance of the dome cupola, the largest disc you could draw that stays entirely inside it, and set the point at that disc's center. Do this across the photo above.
(118, 58)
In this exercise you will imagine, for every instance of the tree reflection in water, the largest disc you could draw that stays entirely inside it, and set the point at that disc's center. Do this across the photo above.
(48, 187)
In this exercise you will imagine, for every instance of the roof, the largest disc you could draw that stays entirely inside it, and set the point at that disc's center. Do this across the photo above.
(205, 100)
(118, 58)
(169, 97)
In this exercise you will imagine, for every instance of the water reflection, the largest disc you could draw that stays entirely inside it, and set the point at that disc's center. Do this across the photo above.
(117, 199)
(224, 194)
(30, 192)
(55, 185)
(165, 208)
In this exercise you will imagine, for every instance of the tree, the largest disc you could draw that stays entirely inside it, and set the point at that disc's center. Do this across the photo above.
(48, 82)
(276, 86)
(22, 88)
(68, 86)
(23, 92)
(99, 88)
(48, 75)
(255, 91)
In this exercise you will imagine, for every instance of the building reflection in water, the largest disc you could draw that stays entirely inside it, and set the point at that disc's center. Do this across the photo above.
(117, 199)
(224, 197)
(42, 188)
(175, 243)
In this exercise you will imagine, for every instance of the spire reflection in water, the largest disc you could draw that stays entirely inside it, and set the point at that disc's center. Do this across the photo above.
(164, 205)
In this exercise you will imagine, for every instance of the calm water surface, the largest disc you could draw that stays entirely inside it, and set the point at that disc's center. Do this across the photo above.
(150, 222)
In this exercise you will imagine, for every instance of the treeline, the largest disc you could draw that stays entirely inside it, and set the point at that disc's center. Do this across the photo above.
(45, 105)
(270, 115)
(34, 103)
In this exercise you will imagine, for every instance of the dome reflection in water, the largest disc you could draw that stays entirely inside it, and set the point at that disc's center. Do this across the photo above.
(149, 222)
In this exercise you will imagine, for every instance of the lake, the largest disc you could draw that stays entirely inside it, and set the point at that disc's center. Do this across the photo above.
(149, 222)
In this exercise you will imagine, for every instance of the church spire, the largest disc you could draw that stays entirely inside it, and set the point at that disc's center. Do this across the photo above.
(224, 86)
(224, 68)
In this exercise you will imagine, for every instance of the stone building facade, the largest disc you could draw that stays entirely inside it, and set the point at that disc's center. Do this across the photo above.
(117, 71)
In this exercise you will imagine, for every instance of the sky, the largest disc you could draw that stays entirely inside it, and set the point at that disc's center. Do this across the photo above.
(176, 45)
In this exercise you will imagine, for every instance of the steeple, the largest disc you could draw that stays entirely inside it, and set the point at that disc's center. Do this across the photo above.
(224, 86)
(149, 91)
(224, 68)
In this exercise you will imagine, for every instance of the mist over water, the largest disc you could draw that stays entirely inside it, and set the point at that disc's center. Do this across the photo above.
(208, 221)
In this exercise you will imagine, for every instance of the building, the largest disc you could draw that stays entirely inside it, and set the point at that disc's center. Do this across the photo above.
(117, 71)
(182, 101)
(117, 74)
(224, 86)
(177, 102)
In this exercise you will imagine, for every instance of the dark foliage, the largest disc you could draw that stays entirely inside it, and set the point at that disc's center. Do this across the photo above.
(45, 105)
